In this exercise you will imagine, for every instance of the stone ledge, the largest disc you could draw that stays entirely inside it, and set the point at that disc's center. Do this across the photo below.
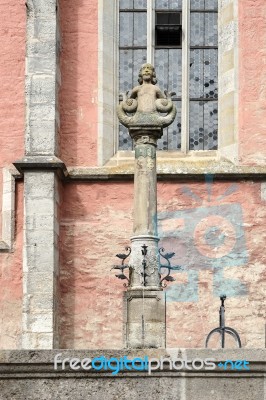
(166, 169)
(4, 246)
(46, 357)
(30, 163)
(30, 375)
(176, 169)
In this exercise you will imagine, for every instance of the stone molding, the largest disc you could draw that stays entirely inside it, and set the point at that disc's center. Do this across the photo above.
(31, 375)
(15, 363)
(42, 163)
(166, 169)
(171, 170)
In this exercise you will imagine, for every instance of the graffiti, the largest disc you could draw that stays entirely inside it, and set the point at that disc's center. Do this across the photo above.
(209, 236)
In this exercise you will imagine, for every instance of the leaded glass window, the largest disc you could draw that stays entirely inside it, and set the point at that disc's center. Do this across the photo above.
(203, 80)
(150, 31)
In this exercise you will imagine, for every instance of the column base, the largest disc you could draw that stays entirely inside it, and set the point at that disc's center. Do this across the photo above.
(145, 325)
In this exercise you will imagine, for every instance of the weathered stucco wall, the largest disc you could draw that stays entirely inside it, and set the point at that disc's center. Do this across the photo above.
(12, 72)
(11, 284)
(12, 76)
(96, 224)
(221, 230)
(252, 81)
(12, 111)
(79, 82)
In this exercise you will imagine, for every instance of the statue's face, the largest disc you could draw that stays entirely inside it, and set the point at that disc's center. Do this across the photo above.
(147, 72)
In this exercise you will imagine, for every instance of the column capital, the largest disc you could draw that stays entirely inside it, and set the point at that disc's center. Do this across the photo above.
(145, 134)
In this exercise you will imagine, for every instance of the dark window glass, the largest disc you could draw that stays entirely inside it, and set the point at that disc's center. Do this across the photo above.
(168, 30)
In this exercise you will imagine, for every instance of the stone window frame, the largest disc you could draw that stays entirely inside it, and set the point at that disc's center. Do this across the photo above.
(108, 34)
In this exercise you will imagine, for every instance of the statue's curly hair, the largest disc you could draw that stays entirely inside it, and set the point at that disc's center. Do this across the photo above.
(153, 78)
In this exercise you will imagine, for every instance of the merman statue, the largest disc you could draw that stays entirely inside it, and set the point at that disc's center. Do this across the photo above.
(146, 102)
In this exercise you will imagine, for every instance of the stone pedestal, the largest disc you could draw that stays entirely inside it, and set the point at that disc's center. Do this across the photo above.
(145, 319)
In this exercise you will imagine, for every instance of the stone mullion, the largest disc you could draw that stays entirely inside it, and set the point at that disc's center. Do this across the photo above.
(185, 76)
(228, 79)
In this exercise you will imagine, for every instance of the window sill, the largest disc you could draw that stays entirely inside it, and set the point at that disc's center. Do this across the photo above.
(127, 157)
(173, 166)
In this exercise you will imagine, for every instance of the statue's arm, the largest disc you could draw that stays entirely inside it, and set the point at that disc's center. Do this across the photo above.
(160, 94)
(134, 93)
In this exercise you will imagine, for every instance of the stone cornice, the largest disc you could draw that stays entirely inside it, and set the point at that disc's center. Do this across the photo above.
(176, 170)
(40, 363)
(30, 163)
(166, 170)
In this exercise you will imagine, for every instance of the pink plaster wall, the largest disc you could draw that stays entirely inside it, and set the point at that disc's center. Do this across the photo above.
(12, 110)
(79, 77)
(11, 284)
(12, 77)
(188, 323)
(96, 224)
(252, 81)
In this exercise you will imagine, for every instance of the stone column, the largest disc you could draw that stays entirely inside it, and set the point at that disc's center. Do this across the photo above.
(145, 300)
(40, 167)
(145, 209)
(145, 325)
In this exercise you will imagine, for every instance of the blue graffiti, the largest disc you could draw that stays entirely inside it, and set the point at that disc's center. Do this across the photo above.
(205, 237)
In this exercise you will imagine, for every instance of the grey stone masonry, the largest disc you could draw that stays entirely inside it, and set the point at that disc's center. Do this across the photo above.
(31, 375)
(145, 316)
(42, 77)
(40, 166)
(40, 260)
(8, 209)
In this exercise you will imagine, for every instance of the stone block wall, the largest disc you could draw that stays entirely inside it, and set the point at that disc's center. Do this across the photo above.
(32, 375)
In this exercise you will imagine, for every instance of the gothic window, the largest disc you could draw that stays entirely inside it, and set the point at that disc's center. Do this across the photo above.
(180, 38)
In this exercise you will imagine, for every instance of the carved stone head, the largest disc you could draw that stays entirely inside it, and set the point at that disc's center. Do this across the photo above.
(147, 73)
